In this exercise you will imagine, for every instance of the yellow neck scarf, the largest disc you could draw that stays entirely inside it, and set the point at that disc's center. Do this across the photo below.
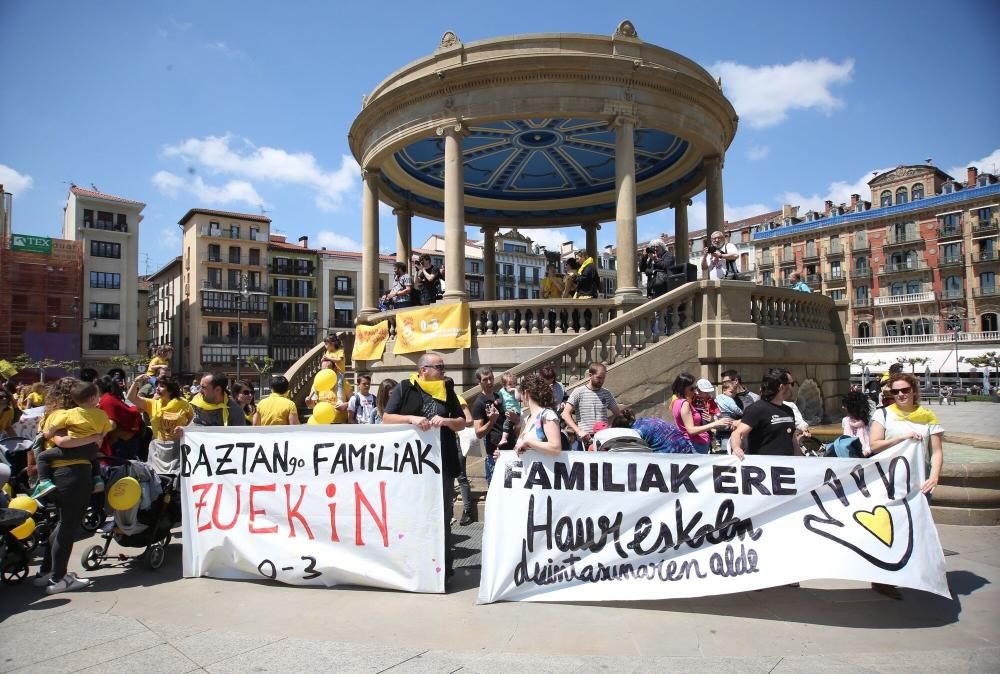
(921, 415)
(583, 266)
(435, 389)
(200, 403)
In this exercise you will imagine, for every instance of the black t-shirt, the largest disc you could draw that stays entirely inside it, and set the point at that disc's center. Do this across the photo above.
(772, 428)
(479, 413)
(429, 289)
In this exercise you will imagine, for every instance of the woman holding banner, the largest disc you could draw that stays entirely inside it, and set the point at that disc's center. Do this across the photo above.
(427, 399)
(541, 430)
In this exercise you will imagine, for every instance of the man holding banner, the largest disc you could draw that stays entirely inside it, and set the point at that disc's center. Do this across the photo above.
(768, 425)
(428, 400)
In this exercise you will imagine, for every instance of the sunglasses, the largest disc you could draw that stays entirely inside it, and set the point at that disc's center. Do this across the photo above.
(438, 366)
(901, 391)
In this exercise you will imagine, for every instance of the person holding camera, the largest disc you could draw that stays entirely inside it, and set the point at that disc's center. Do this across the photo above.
(720, 259)
(655, 264)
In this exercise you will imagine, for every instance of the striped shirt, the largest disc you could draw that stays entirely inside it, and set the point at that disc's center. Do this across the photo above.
(590, 406)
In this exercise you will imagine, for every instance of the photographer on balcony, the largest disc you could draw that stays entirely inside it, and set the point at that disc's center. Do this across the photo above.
(720, 259)
(655, 264)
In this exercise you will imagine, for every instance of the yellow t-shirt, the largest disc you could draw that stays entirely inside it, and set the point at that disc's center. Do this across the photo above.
(274, 410)
(49, 422)
(165, 418)
(81, 421)
(6, 418)
(156, 361)
(338, 359)
(35, 400)
(339, 416)
(552, 289)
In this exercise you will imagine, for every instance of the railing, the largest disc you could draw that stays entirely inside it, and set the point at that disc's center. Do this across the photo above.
(787, 259)
(835, 249)
(861, 302)
(860, 244)
(951, 260)
(292, 269)
(767, 261)
(897, 239)
(810, 253)
(814, 279)
(862, 272)
(230, 340)
(836, 277)
(220, 233)
(949, 231)
(985, 291)
(212, 285)
(985, 256)
(892, 300)
(952, 293)
(898, 267)
(944, 338)
(344, 292)
(990, 225)
(293, 293)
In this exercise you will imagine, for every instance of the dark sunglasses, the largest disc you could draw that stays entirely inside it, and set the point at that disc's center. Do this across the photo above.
(901, 391)
(439, 367)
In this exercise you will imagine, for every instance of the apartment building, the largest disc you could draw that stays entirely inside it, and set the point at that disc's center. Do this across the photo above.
(294, 311)
(339, 282)
(107, 227)
(225, 289)
(166, 291)
(919, 270)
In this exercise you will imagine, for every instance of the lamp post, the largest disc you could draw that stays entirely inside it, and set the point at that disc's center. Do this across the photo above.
(244, 293)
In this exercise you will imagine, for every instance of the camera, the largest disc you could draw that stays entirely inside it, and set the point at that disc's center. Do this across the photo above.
(650, 250)
(712, 249)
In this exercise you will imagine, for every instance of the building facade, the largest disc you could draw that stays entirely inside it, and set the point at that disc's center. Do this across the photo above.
(339, 284)
(294, 310)
(107, 228)
(918, 270)
(225, 289)
(166, 291)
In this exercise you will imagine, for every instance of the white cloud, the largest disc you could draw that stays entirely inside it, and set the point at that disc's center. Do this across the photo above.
(839, 192)
(234, 191)
(763, 96)
(758, 152)
(227, 50)
(335, 241)
(13, 181)
(553, 238)
(988, 164)
(227, 155)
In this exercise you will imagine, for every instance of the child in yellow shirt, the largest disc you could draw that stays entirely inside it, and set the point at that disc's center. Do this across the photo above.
(83, 421)
(159, 365)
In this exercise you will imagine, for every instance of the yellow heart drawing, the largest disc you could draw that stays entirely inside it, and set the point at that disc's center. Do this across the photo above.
(878, 522)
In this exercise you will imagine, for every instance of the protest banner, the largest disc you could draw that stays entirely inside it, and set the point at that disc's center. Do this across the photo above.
(438, 326)
(621, 526)
(308, 505)
(369, 341)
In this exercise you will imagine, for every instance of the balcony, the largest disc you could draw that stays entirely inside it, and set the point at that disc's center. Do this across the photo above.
(213, 302)
(985, 291)
(213, 285)
(106, 225)
(767, 261)
(903, 238)
(811, 253)
(294, 293)
(230, 340)
(943, 338)
(293, 269)
(836, 278)
(861, 302)
(984, 256)
(950, 232)
(903, 267)
(913, 298)
(787, 259)
(338, 323)
(220, 233)
(813, 279)
(835, 248)
(860, 244)
(951, 261)
(953, 294)
(861, 272)
(986, 227)
(343, 291)
(226, 355)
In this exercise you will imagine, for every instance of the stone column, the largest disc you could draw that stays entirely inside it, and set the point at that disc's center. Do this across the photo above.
(489, 263)
(454, 213)
(715, 213)
(625, 217)
(369, 241)
(591, 231)
(404, 238)
(682, 244)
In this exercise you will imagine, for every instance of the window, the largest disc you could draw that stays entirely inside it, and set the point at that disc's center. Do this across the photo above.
(255, 282)
(105, 249)
(891, 329)
(102, 279)
(514, 248)
(214, 329)
(522, 293)
(343, 317)
(214, 277)
(982, 181)
(234, 255)
(214, 252)
(342, 285)
(837, 294)
(254, 256)
(255, 234)
(282, 311)
(988, 281)
(105, 221)
(233, 279)
(953, 286)
(897, 288)
(885, 199)
(917, 192)
(766, 279)
(474, 288)
(214, 229)
(255, 330)
(984, 216)
(864, 330)
(103, 342)
(786, 253)
(88, 217)
(901, 196)
(105, 311)
(303, 289)
(234, 231)
(508, 293)
(987, 249)
(535, 294)
(951, 252)
(303, 267)
(474, 267)
(951, 222)
(283, 287)
(835, 271)
(924, 327)
(913, 287)
(861, 263)
(988, 322)
(301, 313)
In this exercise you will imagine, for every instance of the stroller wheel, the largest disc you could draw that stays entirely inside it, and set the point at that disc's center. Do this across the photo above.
(15, 570)
(31, 543)
(155, 554)
(93, 519)
(92, 558)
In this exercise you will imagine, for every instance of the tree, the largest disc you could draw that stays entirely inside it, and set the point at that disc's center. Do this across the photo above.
(26, 362)
(262, 365)
(913, 362)
(131, 364)
(989, 360)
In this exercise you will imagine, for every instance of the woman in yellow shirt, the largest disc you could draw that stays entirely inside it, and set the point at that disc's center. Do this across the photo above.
(552, 284)
(35, 397)
(167, 413)
(6, 414)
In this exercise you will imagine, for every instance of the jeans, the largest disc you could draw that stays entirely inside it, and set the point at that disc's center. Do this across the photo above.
(700, 448)
(74, 485)
(448, 492)
(488, 458)
(463, 486)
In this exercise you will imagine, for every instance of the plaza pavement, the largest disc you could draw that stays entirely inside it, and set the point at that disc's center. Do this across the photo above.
(144, 621)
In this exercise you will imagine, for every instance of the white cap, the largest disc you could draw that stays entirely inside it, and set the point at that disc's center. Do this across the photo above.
(705, 386)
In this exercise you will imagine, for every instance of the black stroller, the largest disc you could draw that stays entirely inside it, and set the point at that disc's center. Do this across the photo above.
(14, 553)
(147, 526)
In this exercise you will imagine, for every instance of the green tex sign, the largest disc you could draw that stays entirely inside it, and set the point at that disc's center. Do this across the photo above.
(31, 244)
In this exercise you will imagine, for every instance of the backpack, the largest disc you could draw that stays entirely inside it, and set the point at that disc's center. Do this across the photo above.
(844, 447)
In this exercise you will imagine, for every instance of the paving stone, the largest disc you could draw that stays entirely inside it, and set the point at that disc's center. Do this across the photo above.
(302, 655)
(162, 659)
(213, 646)
(61, 633)
(95, 655)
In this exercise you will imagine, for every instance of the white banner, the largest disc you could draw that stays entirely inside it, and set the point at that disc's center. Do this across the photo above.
(609, 527)
(315, 505)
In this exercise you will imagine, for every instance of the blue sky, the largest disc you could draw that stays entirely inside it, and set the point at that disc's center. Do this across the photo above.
(232, 104)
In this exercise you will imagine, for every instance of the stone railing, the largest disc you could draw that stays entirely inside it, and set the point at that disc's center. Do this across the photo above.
(300, 374)
(939, 338)
(780, 307)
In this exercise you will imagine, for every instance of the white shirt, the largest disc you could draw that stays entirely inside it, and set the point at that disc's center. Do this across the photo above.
(717, 265)
(894, 427)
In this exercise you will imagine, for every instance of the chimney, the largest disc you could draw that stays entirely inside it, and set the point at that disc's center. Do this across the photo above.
(278, 238)
(827, 207)
(786, 211)
(304, 241)
(971, 174)
(854, 201)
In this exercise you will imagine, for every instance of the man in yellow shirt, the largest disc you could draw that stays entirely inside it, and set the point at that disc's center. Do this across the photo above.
(84, 421)
(276, 409)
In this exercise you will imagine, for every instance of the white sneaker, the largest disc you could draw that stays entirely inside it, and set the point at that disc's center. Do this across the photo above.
(41, 579)
(69, 583)
(85, 581)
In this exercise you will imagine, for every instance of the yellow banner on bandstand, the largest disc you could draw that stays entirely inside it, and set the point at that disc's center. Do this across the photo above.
(369, 341)
(438, 326)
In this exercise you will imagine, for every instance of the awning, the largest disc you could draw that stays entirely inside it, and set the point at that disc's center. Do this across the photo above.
(346, 305)
(938, 360)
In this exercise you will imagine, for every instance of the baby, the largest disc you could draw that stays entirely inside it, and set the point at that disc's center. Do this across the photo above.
(510, 397)
(83, 421)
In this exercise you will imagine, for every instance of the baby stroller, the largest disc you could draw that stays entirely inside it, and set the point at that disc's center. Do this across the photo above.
(16, 528)
(145, 507)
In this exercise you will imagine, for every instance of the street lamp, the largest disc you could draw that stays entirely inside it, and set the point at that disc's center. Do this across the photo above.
(243, 295)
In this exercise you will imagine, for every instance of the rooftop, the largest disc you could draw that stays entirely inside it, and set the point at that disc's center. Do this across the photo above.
(223, 214)
(91, 194)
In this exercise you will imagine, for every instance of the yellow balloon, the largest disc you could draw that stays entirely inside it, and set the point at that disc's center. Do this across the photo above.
(323, 413)
(124, 494)
(325, 380)
(25, 503)
(24, 529)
